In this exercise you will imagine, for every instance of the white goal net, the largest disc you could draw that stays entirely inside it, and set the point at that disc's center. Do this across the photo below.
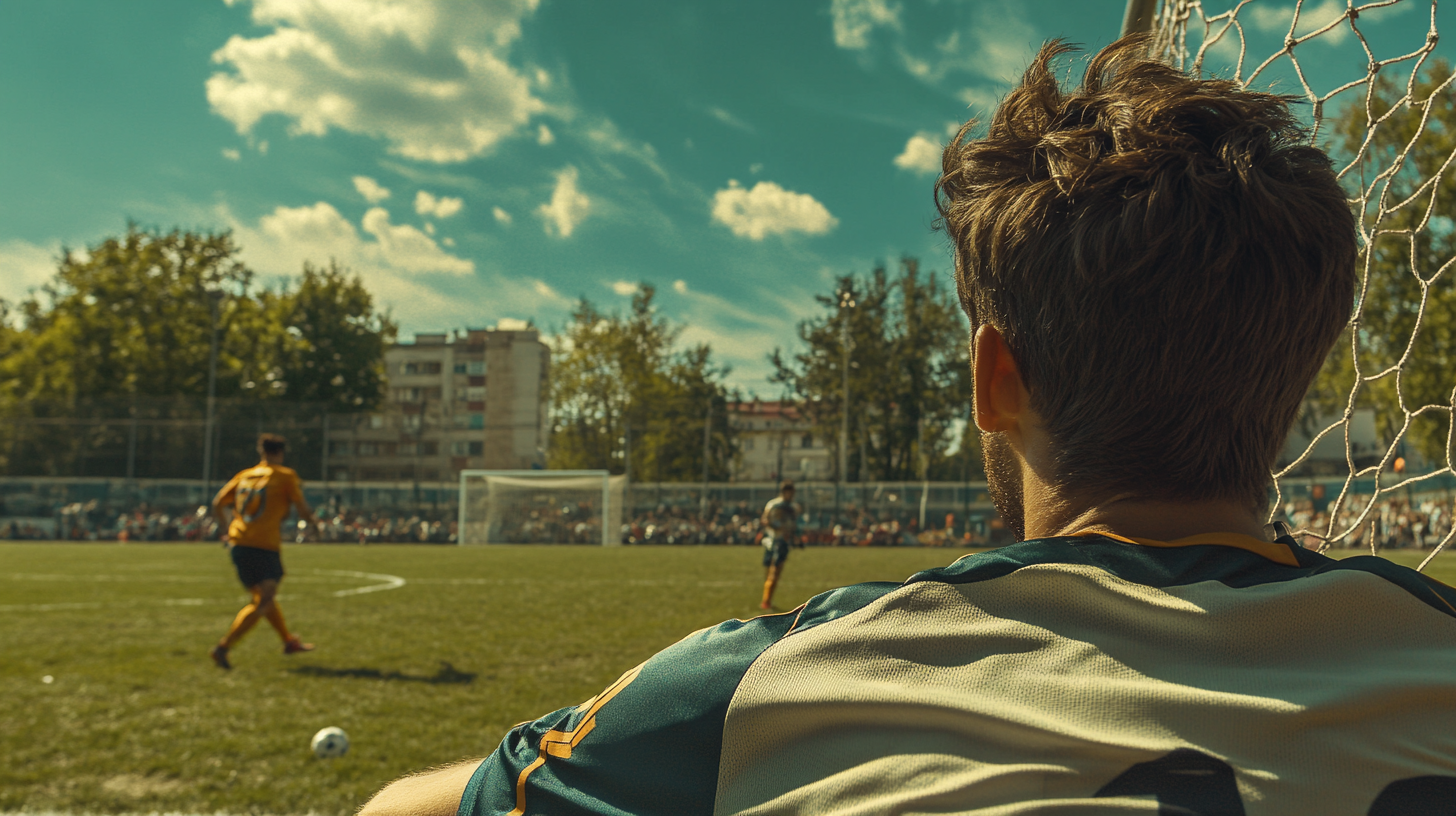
(540, 507)
(1381, 103)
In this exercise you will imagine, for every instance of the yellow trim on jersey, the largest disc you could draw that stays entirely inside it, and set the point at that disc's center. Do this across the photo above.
(559, 743)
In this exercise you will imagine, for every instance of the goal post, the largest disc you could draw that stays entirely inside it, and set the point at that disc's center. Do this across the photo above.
(540, 507)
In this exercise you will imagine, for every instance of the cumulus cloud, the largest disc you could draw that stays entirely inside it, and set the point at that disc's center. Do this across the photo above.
(400, 264)
(921, 155)
(545, 290)
(680, 286)
(442, 207)
(568, 206)
(501, 215)
(855, 19)
(373, 191)
(231, 153)
(768, 209)
(623, 288)
(431, 77)
(25, 266)
(1275, 20)
(544, 136)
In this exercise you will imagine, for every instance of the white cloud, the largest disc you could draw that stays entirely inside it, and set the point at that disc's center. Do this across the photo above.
(680, 286)
(1275, 20)
(623, 288)
(400, 265)
(25, 266)
(430, 77)
(545, 290)
(501, 215)
(855, 19)
(730, 120)
(231, 153)
(544, 136)
(568, 206)
(442, 207)
(921, 154)
(373, 191)
(769, 209)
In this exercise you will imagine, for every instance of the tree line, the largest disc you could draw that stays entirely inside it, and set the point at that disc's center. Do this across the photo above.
(626, 398)
(124, 329)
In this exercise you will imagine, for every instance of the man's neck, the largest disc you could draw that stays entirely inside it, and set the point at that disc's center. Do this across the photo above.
(1136, 518)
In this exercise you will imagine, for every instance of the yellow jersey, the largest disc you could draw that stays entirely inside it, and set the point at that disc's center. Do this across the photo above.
(261, 497)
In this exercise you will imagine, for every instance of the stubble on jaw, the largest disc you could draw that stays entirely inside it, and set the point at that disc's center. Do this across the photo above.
(1003, 481)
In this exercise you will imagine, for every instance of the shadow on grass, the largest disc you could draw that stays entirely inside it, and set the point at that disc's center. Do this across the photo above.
(447, 674)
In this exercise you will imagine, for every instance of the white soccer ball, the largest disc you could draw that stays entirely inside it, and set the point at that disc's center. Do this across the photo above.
(330, 742)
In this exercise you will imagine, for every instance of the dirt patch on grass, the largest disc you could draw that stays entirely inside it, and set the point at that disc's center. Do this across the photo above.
(135, 786)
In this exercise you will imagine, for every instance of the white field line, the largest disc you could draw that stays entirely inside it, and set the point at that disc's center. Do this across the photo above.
(385, 582)
(389, 581)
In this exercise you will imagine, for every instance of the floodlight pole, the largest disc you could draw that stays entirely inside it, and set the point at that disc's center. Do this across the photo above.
(1138, 18)
(214, 297)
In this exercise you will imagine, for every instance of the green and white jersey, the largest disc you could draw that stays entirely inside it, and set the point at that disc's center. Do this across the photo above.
(1082, 675)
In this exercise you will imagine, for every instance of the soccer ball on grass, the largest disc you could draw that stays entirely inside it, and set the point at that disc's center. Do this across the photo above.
(330, 742)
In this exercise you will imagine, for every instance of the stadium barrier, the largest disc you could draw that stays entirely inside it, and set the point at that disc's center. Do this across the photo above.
(864, 514)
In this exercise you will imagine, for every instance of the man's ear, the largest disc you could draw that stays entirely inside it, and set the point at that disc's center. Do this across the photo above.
(998, 387)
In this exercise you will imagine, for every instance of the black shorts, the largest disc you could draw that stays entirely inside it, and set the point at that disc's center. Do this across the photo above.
(256, 565)
(775, 551)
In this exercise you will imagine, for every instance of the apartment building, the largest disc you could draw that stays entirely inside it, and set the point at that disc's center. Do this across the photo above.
(467, 400)
(776, 442)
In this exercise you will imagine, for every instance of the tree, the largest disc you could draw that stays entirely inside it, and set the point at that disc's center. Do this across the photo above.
(618, 381)
(331, 350)
(123, 332)
(909, 374)
(1411, 249)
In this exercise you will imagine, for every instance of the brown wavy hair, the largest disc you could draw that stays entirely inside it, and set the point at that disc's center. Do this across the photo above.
(1169, 261)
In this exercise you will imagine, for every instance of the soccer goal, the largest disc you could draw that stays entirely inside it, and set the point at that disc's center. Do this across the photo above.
(541, 507)
(1379, 102)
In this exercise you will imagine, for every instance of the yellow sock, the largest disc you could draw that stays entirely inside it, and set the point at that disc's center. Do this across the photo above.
(275, 617)
(770, 583)
(241, 624)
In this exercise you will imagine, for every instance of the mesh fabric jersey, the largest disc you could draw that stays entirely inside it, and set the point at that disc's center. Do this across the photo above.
(1088, 674)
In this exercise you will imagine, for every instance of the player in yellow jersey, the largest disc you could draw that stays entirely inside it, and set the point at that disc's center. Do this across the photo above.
(258, 499)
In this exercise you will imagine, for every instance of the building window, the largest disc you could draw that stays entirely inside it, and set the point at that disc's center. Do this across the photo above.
(477, 448)
(366, 448)
(461, 420)
(475, 393)
(459, 448)
(476, 367)
(477, 422)
(807, 441)
(339, 447)
(421, 368)
(376, 421)
(748, 444)
(412, 422)
(459, 368)
(426, 448)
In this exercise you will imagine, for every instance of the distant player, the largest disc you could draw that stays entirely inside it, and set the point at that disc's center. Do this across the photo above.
(780, 526)
(258, 500)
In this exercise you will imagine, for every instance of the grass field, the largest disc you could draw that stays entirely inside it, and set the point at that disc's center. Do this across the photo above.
(137, 719)
(434, 669)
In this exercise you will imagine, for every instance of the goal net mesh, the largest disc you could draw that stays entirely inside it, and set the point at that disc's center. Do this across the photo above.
(540, 507)
(1380, 103)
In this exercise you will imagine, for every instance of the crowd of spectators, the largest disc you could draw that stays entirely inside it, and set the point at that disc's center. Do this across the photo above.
(1419, 521)
(94, 521)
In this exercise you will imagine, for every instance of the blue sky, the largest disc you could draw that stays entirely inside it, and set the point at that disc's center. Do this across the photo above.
(477, 161)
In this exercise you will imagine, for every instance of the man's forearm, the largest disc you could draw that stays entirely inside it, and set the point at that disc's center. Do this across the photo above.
(432, 793)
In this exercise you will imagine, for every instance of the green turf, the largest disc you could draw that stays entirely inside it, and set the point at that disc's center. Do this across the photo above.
(136, 719)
